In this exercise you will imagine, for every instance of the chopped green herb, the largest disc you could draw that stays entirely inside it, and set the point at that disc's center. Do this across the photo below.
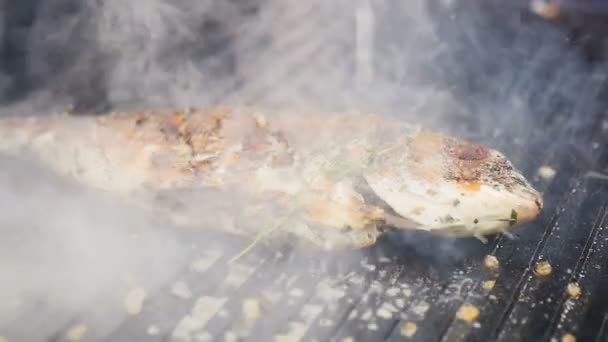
(512, 220)
(513, 217)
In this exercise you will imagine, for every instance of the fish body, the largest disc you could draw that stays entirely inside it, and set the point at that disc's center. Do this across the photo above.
(336, 180)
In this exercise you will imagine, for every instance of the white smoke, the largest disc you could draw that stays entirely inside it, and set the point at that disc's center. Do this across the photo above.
(476, 71)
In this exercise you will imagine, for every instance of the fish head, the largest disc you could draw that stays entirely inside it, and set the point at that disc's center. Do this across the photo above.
(452, 186)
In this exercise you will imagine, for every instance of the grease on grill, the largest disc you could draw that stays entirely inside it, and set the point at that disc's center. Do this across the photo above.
(466, 151)
(489, 284)
(467, 312)
(408, 329)
(543, 268)
(574, 290)
(75, 333)
(180, 289)
(546, 172)
(134, 300)
(491, 262)
(251, 310)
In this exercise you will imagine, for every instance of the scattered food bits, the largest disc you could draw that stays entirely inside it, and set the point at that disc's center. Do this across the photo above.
(384, 260)
(251, 310)
(384, 313)
(408, 329)
(543, 268)
(548, 10)
(489, 284)
(230, 336)
(568, 338)
(75, 333)
(135, 300)
(180, 289)
(203, 263)
(421, 308)
(546, 172)
(324, 322)
(260, 120)
(153, 330)
(574, 290)
(467, 312)
(205, 336)
(367, 315)
(491, 262)
(392, 292)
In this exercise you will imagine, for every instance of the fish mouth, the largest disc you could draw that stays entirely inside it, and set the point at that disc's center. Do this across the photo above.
(533, 206)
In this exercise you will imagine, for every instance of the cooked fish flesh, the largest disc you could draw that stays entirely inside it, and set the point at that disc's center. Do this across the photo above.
(337, 180)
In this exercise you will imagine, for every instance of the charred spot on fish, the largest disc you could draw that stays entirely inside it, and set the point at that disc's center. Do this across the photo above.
(141, 121)
(468, 174)
(171, 129)
(467, 151)
(539, 205)
(447, 219)
(519, 181)
(475, 221)
(456, 202)
(346, 229)
(464, 171)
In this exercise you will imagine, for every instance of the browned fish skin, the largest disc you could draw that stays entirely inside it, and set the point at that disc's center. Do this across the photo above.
(301, 167)
(210, 150)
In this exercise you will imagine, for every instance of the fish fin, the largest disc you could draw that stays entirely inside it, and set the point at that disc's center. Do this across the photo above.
(392, 218)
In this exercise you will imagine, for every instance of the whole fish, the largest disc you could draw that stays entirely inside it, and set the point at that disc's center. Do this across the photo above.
(337, 180)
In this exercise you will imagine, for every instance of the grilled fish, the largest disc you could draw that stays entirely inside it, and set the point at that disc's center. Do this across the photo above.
(336, 180)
